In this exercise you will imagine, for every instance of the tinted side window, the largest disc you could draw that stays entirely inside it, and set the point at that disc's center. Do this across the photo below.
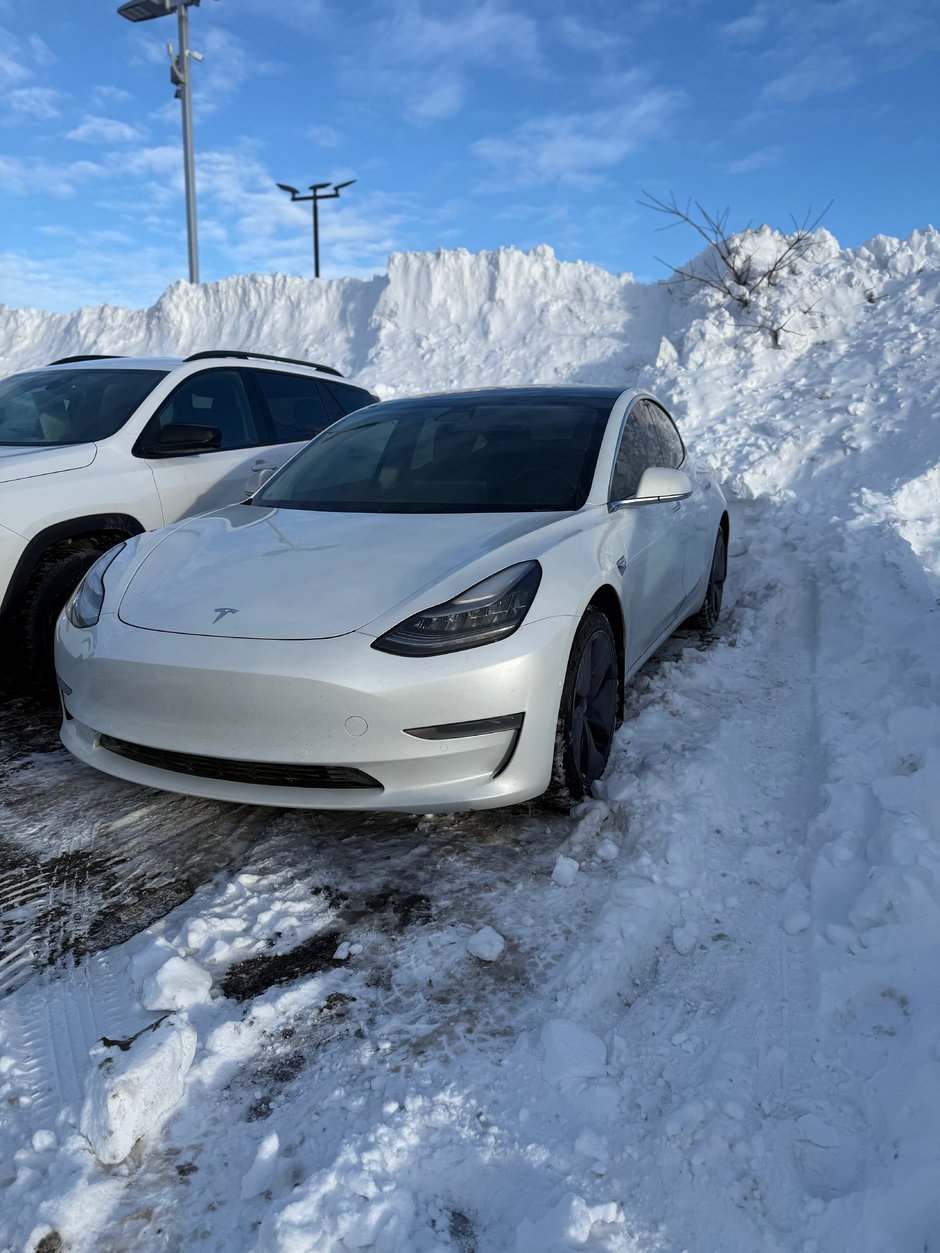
(216, 398)
(669, 438)
(295, 404)
(349, 399)
(639, 448)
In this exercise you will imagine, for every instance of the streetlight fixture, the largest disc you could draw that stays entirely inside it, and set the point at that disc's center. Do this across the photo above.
(317, 194)
(144, 11)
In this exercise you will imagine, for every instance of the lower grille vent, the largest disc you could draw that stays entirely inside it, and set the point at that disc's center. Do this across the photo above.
(273, 774)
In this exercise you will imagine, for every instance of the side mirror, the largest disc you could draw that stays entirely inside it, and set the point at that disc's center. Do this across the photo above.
(179, 439)
(657, 483)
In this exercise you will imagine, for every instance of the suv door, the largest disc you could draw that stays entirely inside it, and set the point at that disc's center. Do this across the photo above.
(296, 408)
(197, 482)
(651, 536)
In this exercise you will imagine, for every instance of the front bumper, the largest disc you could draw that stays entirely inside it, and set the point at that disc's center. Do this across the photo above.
(333, 703)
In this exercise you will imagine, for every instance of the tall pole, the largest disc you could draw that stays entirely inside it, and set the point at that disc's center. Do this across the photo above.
(316, 238)
(189, 168)
(316, 195)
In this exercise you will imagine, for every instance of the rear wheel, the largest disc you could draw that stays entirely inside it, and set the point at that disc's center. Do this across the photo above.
(707, 617)
(587, 718)
(55, 579)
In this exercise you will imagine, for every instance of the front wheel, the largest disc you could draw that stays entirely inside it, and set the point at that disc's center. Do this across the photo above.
(707, 617)
(587, 718)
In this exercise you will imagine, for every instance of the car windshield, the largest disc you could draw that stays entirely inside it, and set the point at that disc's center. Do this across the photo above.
(48, 408)
(481, 454)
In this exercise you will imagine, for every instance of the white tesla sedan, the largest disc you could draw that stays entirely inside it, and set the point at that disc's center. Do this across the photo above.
(434, 606)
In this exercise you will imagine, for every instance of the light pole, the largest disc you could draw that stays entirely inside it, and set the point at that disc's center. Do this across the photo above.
(144, 11)
(317, 195)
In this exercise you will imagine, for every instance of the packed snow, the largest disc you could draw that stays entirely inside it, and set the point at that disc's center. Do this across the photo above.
(699, 1014)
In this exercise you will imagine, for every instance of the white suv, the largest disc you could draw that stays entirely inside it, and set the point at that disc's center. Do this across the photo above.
(96, 449)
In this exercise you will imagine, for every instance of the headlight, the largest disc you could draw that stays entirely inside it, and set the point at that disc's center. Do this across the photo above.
(84, 606)
(488, 611)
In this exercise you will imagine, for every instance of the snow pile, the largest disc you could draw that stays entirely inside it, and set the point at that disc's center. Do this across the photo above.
(700, 1014)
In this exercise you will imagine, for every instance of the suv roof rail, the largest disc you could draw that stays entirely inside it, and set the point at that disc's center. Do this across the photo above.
(88, 356)
(243, 354)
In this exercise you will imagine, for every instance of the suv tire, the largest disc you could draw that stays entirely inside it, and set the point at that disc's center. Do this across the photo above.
(54, 580)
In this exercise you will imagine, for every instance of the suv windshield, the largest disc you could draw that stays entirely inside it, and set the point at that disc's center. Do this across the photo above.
(47, 408)
(476, 454)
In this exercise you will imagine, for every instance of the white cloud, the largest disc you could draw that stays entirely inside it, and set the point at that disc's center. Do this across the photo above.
(105, 130)
(325, 136)
(441, 99)
(85, 275)
(818, 73)
(13, 66)
(580, 34)
(762, 159)
(749, 27)
(228, 64)
(484, 33)
(577, 147)
(104, 94)
(21, 175)
(422, 57)
(40, 52)
(37, 102)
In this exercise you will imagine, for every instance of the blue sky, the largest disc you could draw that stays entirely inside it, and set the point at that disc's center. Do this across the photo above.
(470, 123)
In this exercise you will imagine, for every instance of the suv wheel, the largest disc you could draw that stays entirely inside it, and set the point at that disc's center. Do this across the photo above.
(55, 579)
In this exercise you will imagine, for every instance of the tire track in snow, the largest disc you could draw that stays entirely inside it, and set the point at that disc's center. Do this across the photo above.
(86, 861)
(716, 1046)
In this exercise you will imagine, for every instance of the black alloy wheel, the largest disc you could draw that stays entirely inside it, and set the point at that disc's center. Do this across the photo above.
(707, 617)
(587, 718)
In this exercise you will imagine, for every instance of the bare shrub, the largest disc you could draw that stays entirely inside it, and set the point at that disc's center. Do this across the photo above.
(736, 263)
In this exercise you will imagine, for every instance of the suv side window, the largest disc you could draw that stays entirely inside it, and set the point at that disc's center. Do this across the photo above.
(212, 398)
(345, 399)
(639, 449)
(669, 437)
(295, 405)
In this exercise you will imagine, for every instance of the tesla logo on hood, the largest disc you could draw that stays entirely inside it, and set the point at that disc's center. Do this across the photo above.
(220, 614)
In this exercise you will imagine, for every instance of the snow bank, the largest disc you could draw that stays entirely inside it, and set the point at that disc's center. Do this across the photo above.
(702, 1013)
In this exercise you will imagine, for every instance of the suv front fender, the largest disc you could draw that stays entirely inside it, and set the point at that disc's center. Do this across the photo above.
(120, 525)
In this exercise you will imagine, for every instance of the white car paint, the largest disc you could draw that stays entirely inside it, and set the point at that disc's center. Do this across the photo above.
(246, 637)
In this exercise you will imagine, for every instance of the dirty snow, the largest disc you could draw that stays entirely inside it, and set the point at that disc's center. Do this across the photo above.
(710, 1020)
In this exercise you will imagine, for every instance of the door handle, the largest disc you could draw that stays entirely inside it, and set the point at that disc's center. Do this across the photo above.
(261, 464)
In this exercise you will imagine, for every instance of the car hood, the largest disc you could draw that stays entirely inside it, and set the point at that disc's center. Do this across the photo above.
(295, 574)
(24, 462)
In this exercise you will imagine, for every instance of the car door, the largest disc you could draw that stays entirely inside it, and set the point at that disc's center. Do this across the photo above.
(698, 509)
(195, 482)
(675, 458)
(651, 537)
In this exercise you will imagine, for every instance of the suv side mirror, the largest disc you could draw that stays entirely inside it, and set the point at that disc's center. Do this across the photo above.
(179, 439)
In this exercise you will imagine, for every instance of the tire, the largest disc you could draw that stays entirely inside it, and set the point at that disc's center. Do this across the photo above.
(707, 617)
(54, 580)
(587, 718)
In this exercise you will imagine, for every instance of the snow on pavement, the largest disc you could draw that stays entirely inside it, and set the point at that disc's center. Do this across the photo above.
(700, 1014)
